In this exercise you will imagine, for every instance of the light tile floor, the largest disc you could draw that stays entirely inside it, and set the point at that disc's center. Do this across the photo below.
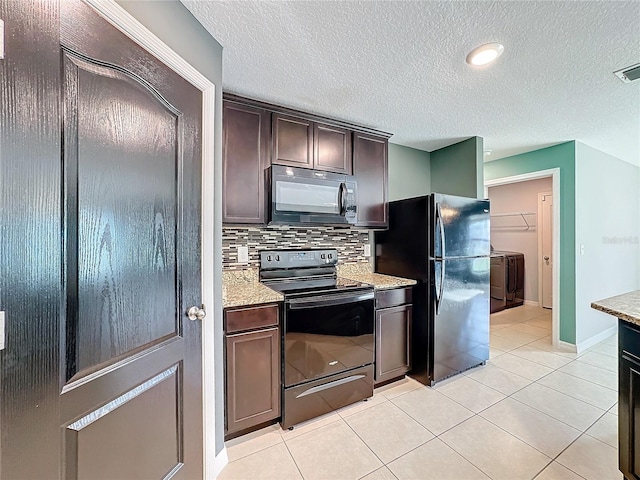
(531, 412)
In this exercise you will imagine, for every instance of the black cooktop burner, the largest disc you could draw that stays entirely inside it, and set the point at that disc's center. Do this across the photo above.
(316, 286)
(298, 273)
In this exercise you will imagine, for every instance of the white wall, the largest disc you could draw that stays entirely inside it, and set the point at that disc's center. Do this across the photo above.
(608, 225)
(508, 233)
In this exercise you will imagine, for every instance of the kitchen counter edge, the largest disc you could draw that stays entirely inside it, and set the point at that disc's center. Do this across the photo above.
(255, 293)
(626, 306)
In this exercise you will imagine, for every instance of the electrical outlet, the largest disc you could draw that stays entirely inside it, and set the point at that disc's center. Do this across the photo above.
(1, 330)
(243, 254)
(1, 39)
(367, 250)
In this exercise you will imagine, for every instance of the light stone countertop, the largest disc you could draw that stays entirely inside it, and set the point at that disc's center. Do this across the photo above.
(362, 272)
(242, 287)
(626, 306)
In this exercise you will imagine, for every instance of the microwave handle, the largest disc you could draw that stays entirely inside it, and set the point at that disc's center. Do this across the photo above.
(342, 198)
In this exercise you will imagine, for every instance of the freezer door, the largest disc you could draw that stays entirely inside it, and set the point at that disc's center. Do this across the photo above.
(461, 315)
(461, 226)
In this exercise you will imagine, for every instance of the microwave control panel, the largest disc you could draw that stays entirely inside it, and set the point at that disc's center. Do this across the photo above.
(351, 209)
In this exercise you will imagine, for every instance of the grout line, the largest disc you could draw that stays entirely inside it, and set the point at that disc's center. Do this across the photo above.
(370, 449)
(294, 459)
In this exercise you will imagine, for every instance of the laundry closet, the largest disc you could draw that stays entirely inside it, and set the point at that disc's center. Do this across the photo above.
(521, 238)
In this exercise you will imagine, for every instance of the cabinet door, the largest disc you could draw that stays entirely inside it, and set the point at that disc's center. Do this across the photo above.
(629, 417)
(393, 342)
(629, 403)
(245, 155)
(370, 170)
(253, 378)
(332, 149)
(292, 141)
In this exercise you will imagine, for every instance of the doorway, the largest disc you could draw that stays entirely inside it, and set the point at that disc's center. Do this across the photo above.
(529, 219)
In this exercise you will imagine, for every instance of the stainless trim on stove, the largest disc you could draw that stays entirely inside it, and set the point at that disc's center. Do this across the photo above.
(327, 300)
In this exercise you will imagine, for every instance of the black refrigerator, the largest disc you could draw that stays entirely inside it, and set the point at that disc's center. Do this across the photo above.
(442, 241)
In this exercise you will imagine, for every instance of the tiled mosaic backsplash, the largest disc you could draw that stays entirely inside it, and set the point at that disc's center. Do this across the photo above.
(349, 243)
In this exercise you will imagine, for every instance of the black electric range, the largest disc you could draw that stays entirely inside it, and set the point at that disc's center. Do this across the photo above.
(327, 335)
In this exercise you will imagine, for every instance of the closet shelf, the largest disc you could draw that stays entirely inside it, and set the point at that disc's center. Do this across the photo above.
(521, 217)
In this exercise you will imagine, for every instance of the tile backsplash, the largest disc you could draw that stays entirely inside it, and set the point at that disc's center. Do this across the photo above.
(349, 242)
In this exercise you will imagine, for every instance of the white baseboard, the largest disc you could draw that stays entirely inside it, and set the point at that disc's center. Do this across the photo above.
(567, 347)
(220, 462)
(590, 342)
(531, 303)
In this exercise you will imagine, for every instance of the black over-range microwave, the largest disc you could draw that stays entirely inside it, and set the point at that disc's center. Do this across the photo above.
(302, 196)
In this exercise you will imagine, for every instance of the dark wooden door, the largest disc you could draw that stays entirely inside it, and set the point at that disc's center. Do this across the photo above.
(292, 141)
(332, 148)
(370, 170)
(30, 230)
(393, 342)
(246, 134)
(131, 397)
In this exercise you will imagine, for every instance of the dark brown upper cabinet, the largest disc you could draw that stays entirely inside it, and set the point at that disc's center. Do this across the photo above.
(299, 142)
(370, 167)
(246, 134)
(292, 141)
(332, 149)
(257, 134)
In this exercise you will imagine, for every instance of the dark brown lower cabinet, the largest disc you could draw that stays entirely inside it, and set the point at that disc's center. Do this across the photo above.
(393, 334)
(252, 367)
(629, 400)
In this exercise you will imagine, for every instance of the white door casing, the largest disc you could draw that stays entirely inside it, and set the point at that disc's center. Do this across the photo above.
(554, 173)
(545, 249)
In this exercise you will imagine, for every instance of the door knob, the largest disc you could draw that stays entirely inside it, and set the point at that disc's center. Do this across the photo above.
(196, 313)
(546, 259)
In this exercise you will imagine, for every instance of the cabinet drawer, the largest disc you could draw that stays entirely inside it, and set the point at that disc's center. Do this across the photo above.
(248, 318)
(393, 297)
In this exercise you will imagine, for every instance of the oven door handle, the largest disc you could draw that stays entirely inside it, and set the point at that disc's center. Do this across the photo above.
(326, 300)
(326, 386)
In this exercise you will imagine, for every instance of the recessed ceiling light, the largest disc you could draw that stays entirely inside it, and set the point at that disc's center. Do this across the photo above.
(484, 54)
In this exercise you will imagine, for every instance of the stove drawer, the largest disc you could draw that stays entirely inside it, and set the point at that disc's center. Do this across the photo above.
(249, 318)
(313, 399)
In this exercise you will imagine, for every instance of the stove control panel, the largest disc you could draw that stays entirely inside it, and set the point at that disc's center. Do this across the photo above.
(297, 258)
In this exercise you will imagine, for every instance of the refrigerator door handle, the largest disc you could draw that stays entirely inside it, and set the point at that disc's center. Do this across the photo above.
(440, 288)
(440, 230)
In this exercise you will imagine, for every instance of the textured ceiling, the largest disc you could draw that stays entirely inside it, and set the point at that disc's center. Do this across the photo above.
(400, 67)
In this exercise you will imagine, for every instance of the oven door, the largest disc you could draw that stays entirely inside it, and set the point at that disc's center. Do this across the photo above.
(327, 334)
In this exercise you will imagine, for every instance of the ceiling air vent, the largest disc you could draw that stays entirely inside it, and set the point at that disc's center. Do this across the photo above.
(629, 74)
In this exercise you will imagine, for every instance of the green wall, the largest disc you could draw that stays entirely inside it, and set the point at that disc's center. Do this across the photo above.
(458, 169)
(563, 157)
(409, 172)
